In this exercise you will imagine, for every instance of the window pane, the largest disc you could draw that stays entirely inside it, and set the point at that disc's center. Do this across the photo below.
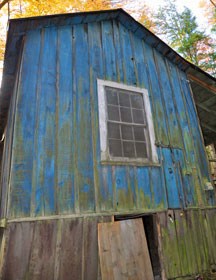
(113, 113)
(127, 132)
(137, 101)
(141, 150)
(115, 148)
(128, 148)
(112, 97)
(139, 133)
(124, 99)
(113, 130)
(126, 115)
(138, 116)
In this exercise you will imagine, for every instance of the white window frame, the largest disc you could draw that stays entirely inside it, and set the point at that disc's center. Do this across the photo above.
(102, 107)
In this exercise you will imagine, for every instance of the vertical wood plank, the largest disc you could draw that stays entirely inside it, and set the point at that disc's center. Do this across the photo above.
(169, 245)
(22, 159)
(85, 170)
(118, 51)
(199, 151)
(70, 267)
(64, 116)
(185, 177)
(127, 56)
(182, 242)
(43, 249)
(181, 110)
(159, 200)
(124, 195)
(156, 96)
(102, 174)
(108, 51)
(170, 177)
(44, 161)
(144, 188)
(169, 105)
(18, 251)
(49, 89)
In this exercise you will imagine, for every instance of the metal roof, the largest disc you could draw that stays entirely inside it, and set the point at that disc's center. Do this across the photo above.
(203, 84)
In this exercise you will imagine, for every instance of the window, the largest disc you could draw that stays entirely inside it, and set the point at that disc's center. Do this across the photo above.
(126, 128)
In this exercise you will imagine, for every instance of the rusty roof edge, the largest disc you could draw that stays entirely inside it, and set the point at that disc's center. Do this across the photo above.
(17, 30)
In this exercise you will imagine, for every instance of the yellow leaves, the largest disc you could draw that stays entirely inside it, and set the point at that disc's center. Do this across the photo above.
(209, 8)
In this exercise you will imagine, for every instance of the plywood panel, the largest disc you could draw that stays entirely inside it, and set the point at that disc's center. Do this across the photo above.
(123, 251)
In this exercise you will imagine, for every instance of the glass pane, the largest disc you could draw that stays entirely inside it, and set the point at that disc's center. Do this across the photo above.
(126, 115)
(127, 132)
(141, 150)
(137, 101)
(115, 148)
(139, 133)
(124, 99)
(113, 113)
(114, 130)
(112, 97)
(128, 148)
(138, 116)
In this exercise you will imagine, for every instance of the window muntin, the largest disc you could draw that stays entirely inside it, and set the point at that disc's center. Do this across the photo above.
(126, 126)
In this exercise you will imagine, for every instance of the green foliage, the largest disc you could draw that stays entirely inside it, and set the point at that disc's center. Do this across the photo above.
(181, 32)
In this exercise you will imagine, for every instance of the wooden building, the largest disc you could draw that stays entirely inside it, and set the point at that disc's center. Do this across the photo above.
(104, 169)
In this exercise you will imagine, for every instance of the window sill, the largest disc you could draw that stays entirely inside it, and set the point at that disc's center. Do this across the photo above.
(130, 163)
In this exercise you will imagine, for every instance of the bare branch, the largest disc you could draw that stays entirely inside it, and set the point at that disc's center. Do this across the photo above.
(3, 3)
(214, 4)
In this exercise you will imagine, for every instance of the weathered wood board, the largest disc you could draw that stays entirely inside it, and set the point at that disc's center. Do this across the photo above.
(123, 251)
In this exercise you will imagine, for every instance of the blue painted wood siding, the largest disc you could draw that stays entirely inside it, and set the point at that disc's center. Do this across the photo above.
(55, 166)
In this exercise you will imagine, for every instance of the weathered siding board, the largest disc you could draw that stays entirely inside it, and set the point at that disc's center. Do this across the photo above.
(188, 242)
(185, 178)
(200, 166)
(181, 110)
(124, 197)
(144, 188)
(7, 151)
(127, 57)
(68, 248)
(104, 68)
(108, 51)
(141, 72)
(174, 189)
(83, 121)
(71, 255)
(158, 114)
(48, 88)
(64, 115)
(66, 174)
(158, 190)
(118, 51)
(21, 245)
(56, 249)
(22, 159)
(167, 101)
(102, 183)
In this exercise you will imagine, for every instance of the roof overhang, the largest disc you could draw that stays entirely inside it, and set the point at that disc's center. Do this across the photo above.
(203, 85)
(204, 92)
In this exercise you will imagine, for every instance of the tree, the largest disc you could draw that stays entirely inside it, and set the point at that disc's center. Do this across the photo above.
(3, 3)
(143, 13)
(209, 8)
(181, 32)
(28, 8)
